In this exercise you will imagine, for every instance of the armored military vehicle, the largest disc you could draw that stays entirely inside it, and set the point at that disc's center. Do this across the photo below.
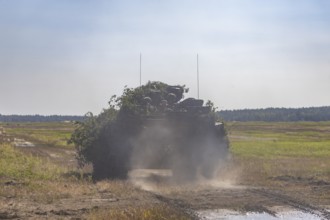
(157, 128)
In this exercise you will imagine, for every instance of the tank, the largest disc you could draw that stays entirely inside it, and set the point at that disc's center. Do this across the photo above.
(162, 130)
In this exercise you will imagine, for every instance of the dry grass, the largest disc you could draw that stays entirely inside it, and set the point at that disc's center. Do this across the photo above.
(119, 188)
(138, 212)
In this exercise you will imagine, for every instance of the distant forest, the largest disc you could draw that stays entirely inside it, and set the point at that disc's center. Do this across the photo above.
(268, 114)
(39, 118)
(277, 114)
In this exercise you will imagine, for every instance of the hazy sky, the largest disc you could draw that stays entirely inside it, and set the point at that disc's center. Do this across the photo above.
(69, 57)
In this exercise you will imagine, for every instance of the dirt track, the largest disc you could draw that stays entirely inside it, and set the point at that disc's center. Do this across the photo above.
(218, 194)
(155, 189)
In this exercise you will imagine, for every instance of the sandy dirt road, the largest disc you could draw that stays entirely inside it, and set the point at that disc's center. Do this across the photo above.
(224, 194)
(190, 198)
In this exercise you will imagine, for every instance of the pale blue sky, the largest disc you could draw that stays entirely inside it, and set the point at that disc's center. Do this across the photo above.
(69, 57)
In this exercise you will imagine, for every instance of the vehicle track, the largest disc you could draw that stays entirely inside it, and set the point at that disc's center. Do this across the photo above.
(293, 202)
(178, 204)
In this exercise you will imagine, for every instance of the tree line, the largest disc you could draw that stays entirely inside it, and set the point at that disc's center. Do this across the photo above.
(277, 114)
(40, 118)
(268, 114)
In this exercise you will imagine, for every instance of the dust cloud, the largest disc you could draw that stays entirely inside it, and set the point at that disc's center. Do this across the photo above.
(168, 154)
(161, 181)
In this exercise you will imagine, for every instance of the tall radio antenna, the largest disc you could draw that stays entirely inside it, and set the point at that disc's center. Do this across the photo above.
(140, 68)
(197, 78)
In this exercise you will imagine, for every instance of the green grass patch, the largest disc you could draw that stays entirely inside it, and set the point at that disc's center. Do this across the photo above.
(25, 176)
(276, 140)
(275, 149)
(17, 165)
(264, 150)
(55, 134)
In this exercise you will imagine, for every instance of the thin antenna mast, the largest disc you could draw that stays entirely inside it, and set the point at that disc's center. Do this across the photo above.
(197, 78)
(140, 68)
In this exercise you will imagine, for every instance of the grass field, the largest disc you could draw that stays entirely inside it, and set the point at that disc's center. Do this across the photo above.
(30, 179)
(269, 150)
(273, 155)
(54, 134)
(276, 140)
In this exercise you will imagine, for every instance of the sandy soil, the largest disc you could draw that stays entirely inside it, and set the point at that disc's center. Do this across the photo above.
(157, 188)
(303, 195)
